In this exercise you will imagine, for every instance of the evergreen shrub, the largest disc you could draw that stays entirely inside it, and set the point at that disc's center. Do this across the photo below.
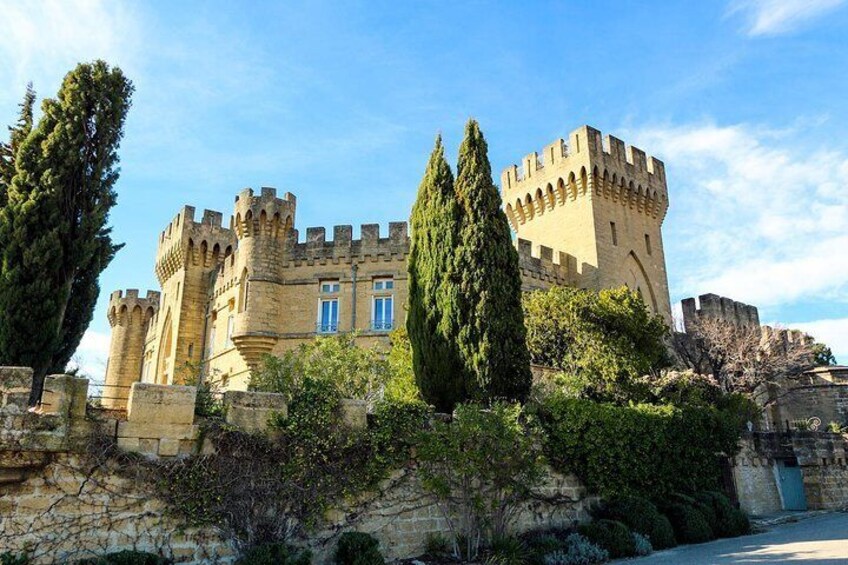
(641, 516)
(730, 521)
(275, 554)
(610, 535)
(578, 551)
(358, 548)
(689, 524)
(127, 557)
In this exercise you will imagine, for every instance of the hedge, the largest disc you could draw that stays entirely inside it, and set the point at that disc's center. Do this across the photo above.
(640, 515)
(644, 450)
(610, 535)
(689, 524)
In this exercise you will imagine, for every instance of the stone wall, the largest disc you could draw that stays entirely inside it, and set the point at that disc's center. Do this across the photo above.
(62, 499)
(817, 397)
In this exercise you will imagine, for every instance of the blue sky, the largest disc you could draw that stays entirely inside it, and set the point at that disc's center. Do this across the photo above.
(339, 103)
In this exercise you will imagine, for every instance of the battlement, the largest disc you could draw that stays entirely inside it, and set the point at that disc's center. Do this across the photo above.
(263, 214)
(543, 263)
(316, 246)
(716, 307)
(186, 241)
(588, 163)
(129, 306)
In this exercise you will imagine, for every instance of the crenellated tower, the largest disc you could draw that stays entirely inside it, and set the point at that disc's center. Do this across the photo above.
(188, 253)
(129, 316)
(600, 205)
(261, 224)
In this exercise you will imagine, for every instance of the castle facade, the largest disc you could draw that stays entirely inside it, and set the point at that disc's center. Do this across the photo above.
(586, 213)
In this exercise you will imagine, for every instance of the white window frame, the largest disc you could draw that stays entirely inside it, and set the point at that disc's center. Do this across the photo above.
(382, 288)
(231, 324)
(327, 328)
(335, 286)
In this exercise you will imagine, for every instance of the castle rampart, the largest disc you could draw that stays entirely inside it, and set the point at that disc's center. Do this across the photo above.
(715, 307)
(317, 250)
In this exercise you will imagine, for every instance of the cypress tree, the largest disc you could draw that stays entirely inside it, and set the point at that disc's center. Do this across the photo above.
(17, 134)
(432, 294)
(491, 334)
(54, 234)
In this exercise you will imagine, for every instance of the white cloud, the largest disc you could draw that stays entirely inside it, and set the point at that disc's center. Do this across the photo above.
(42, 40)
(91, 356)
(833, 333)
(774, 17)
(757, 214)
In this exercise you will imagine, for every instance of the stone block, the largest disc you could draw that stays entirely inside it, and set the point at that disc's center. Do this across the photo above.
(169, 447)
(64, 395)
(128, 443)
(250, 411)
(354, 413)
(162, 404)
(156, 431)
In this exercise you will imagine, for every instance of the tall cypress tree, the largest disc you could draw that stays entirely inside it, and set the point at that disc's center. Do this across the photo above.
(54, 229)
(492, 335)
(17, 134)
(433, 296)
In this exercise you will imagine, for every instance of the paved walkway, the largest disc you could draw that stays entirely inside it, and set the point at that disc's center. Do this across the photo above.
(822, 540)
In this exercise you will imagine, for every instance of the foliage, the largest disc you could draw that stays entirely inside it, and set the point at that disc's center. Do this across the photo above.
(7, 558)
(436, 544)
(641, 516)
(479, 468)
(357, 548)
(208, 402)
(492, 335)
(682, 388)
(741, 358)
(355, 372)
(54, 234)
(610, 535)
(508, 550)
(578, 551)
(17, 134)
(401, 385)
(689, 524)
(642, 545)
(126, 557)
(729, 521)
(823, 355)
(643, 450)
(432, 320)
(835, 427)
(603, 342)
(275, 554)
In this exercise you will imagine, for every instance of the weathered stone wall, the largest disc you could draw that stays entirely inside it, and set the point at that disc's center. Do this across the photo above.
(820, 395)
(61, 501)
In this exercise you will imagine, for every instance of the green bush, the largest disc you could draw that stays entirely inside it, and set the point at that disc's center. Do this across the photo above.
(642, 544)
(689, 524)
(577, 551)
(8, 558)
(730, 521)
(508, 550)
(640, 515)
(126, 557)
(358, 548)
(541, 544)
(611, 535)
(706, 510)
(275, 554)
(644, 450)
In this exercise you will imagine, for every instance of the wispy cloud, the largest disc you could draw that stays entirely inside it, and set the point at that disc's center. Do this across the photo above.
(91, 356)
(775, 17)
(758, 214)
(42, 40)
(832, 332)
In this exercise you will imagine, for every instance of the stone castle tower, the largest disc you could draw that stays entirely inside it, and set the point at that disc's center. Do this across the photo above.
(601, 205)
(585, 215)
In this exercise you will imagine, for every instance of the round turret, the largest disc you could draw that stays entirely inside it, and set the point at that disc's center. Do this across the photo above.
(128, 316)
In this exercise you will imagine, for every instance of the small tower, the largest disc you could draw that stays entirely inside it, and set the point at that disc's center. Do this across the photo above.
(129, 317)
(601, 204)
(261, 224)
(188, 253)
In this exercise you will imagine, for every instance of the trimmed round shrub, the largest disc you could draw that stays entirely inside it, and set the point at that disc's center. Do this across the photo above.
(730, 521)
(357, 548)
(641, 516)
(275, 554)
(126, 557)
(642, 544)
(689, 524)
(706, 510)
(578, 551)
(610, 535)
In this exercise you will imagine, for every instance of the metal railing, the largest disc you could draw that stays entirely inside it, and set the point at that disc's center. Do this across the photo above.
(322, 328)
(382, 325)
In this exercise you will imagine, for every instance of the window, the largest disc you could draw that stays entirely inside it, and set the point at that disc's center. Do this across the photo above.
(231, 322)
(648, 244)
(328, 316)
(384, 284)
(330, 287)
(211, 348)
(382, 309)
(614, 233)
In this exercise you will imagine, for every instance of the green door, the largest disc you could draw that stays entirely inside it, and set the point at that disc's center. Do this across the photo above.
(791, 484)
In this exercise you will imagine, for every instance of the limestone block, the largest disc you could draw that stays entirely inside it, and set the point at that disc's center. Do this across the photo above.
(169, 447)
(152, 430)
(250, 411)
(354, 413)
(64, 395)
(162, 404)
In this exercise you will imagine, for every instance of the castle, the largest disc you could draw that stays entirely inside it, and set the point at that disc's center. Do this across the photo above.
(586, 213)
